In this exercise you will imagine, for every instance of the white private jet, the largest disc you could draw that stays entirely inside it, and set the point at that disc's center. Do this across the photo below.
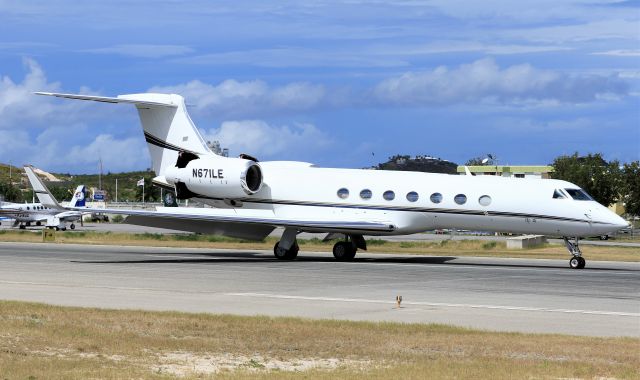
(52, 215)
(251, 198)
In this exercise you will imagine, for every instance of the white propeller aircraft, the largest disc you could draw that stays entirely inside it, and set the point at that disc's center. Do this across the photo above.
(53, 215)
(251, 198)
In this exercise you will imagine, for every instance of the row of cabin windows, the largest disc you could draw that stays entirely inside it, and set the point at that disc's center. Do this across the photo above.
(38, 208)
(412, 196)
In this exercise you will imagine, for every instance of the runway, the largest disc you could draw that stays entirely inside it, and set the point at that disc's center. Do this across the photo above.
(496, 294)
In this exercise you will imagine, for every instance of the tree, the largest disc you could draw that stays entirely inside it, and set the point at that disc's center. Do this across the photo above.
(60, 193)
(151, 193)
(10, 193)
(631, 188)
(476, 161)
(599, 178)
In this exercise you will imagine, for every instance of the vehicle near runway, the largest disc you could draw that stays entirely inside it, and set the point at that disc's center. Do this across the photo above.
(251, 198)
(26, 214)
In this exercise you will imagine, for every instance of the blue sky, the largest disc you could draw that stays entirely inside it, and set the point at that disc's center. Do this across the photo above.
(343, 84)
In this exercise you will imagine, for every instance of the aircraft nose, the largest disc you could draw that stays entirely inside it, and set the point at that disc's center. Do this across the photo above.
(617, 221)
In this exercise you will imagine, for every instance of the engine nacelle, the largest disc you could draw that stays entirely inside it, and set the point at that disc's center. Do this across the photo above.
(216, 177)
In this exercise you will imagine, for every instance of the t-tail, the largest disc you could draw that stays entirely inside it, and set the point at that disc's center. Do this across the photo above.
(167, 127)
(179, 155)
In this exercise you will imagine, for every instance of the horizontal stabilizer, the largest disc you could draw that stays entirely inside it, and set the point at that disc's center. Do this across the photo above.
(104, 99)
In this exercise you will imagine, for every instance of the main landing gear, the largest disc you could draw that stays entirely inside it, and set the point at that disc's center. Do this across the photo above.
(577, 261)
(346, 250)
(287, 248)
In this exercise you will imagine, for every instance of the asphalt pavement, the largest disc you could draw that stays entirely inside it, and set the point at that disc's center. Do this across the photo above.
(496, 294)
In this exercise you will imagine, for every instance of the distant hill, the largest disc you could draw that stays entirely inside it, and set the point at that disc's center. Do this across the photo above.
(426, 164)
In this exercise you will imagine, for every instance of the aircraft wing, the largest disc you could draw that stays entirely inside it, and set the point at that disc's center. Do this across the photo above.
(250, 224)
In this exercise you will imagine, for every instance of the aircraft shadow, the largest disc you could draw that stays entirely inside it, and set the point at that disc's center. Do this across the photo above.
(259, 258)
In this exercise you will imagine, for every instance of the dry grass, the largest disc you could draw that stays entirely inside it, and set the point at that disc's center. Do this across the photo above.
(432, 248)
(50, 342)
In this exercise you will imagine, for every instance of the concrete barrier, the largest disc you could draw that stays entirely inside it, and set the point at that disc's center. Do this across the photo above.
(526, 241)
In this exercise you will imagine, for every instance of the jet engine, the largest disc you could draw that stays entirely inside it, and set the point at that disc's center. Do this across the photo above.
(214, 177)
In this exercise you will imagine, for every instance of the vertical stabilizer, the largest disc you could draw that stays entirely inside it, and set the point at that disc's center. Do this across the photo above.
(167, 130)
(79, 196)
(167, 126)
(44, 196)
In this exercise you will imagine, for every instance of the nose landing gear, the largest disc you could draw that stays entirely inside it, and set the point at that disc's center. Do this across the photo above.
(577, 261)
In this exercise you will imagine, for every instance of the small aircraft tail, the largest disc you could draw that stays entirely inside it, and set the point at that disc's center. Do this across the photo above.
(167, 127)
(79, 196)
(43, 194)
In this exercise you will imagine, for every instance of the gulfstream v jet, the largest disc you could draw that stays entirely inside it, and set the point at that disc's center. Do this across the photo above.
(251, 198)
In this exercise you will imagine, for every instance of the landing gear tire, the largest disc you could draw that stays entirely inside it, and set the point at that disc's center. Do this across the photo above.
(72, 226)
(344, 251)
(57, 228)
(577, 262)
(286, 254)
(22, 227)
(38, 224)
(64, 228)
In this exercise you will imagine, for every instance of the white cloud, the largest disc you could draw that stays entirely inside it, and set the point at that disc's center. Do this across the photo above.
(297, 57)
(248, 98)
(620, 53)
(17, 101)
(258, 138)
(144, 50)
(117, 154)
(581, 32)
(485, 81)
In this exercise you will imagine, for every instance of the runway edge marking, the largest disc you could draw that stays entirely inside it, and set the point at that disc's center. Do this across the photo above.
(471, 306)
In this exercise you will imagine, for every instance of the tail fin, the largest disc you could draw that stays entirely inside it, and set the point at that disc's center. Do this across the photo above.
(168, 129)
(78, 199)
(44, 196)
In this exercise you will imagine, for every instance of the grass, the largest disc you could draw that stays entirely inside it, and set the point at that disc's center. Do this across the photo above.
(51, 342)
(456, 248)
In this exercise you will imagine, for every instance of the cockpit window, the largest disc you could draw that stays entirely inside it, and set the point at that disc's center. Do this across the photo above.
(557, 194)
(578, 195)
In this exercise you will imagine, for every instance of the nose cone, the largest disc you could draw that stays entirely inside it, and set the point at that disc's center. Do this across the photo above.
(614, 220)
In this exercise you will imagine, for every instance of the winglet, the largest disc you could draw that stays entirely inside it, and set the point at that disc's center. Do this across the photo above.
(44, 195)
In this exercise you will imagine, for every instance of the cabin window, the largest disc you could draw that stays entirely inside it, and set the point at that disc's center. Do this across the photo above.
(579, 195)
(389, 195)
(436, 197)
(557, 194)
(343, 193)
(460, 199)
(27, 208)
(484, 200)
(412, 196)
(366, 194)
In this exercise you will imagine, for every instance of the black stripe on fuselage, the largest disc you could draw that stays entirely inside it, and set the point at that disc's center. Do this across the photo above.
(153, 140)
(408, 209)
